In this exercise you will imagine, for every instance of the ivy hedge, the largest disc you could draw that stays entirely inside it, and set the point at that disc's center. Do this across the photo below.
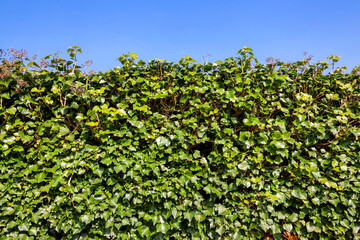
(158, 150)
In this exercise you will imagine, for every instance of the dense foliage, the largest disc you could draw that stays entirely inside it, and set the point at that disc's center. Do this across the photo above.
(227, 150)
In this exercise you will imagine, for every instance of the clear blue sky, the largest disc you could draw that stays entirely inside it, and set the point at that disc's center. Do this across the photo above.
(171, 29)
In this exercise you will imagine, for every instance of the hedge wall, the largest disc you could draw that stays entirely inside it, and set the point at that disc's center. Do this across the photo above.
(228, 150)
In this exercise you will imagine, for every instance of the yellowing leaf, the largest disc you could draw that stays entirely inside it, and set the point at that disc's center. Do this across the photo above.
(93, 124)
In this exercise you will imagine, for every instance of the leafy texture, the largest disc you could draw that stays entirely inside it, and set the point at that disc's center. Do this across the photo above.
(227, 150)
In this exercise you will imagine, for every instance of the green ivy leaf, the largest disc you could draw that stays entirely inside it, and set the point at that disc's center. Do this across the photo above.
(24, 227)
(277, 135)
(33, 231)
(221, 209)
(355, 228)
(294, 217)
(189, 215)
(8, 211)
(86, 218)
(144, 231)
(197, 154)
(275, 228)
(279, 144)
(162, 228)
(11, 110)
(299, 194)
(244, 166)
(163, 141)
(288, 227)
(345, 223)
(63, 131)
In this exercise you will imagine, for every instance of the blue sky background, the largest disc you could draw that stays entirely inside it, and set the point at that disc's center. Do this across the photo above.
(171, 29)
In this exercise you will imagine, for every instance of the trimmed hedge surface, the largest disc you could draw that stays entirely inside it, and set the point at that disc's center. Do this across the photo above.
(227, 150)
